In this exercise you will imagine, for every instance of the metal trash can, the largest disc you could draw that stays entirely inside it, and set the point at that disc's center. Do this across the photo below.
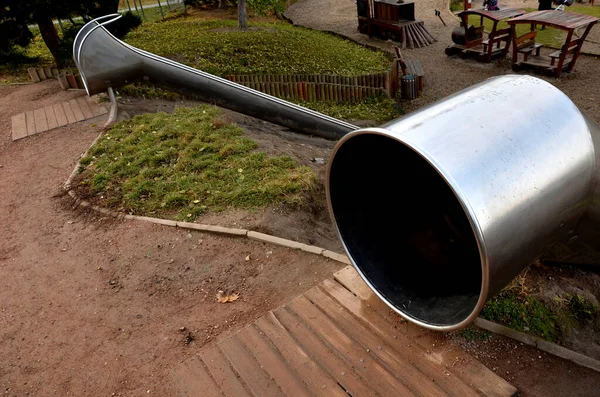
(409, 86)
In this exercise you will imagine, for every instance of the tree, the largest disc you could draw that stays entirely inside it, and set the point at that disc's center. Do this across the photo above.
(242, 16)
(16, 15)
(13, 29)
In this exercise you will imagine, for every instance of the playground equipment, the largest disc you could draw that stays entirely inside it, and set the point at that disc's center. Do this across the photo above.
(105, 61)
(438, 210)
(393, 19)
(558, 61)
(469, 39)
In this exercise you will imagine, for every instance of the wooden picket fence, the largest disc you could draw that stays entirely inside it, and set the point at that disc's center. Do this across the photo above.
(323, 87)
(316, 91)
(310, 87)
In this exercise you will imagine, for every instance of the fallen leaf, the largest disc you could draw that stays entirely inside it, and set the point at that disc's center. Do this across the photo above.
(222, 298)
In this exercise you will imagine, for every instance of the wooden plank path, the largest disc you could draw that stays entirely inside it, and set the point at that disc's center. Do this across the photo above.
(58, 115)
(337, 339)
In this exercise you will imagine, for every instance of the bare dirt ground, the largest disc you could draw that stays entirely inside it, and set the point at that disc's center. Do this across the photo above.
(99, 307)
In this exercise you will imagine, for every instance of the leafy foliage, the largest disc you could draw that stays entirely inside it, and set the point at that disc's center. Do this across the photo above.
(124, 25)
(187, 163)
(523, 314)
(218, 47)
(17, 15)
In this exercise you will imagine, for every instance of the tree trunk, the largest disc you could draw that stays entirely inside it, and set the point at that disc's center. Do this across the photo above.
(222, 4)
(242, 17)
(50, 36)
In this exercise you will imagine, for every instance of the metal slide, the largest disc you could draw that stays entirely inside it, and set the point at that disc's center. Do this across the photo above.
(105, 61)
(437, 210)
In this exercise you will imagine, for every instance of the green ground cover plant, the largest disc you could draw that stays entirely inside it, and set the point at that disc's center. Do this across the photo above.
(184, 164)
(218, 47)
(526, 306)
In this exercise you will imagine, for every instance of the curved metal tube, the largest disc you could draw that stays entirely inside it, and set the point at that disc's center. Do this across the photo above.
(439, 210)
(105, 61)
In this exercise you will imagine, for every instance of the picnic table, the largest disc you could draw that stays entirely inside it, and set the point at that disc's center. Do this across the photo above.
(557, 61)
(470, 39)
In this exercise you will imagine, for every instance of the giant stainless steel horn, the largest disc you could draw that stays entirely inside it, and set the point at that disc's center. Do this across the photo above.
(439, 210)
(105, 61)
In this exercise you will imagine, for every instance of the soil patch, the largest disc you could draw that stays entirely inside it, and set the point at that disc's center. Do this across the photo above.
(93, 305)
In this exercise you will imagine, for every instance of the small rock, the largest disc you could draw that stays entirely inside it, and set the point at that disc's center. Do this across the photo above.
(318, 160)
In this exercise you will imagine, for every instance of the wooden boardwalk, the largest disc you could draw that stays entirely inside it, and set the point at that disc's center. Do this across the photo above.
(58, 115)
(337, 339)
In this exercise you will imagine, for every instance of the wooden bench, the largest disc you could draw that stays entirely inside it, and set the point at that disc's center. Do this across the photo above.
(570, 49)
(526, 44)
(496, 38)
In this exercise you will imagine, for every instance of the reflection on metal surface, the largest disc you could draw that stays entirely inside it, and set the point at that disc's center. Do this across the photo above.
(438, 211)
(105, 61)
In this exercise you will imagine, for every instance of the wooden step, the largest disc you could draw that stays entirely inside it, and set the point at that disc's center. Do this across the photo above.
(336, 339)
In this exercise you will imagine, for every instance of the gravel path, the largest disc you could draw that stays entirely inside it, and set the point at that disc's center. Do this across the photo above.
(446, 75)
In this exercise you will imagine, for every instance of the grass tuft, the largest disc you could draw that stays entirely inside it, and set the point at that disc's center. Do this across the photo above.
(528, 314)
(185, 164)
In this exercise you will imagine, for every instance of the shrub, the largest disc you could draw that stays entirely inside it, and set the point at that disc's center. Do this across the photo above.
(124, 25)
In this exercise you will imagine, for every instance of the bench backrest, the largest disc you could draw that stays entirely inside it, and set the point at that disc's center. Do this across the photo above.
(570, 47)
(525, 40)
(500, 34)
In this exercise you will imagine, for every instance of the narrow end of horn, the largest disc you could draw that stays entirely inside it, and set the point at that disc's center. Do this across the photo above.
(406, 231)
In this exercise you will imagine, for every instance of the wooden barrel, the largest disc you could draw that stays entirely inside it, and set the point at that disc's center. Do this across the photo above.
(458, 36)
(408, 85)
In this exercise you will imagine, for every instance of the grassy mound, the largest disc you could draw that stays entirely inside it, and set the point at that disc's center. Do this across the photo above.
(218, 47)
(186, 163)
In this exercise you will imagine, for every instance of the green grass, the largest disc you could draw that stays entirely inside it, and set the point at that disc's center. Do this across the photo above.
(217, 47)
(153, 14)
(187, 163)
(379, 109)
(123, 3)
(474, 333)
(456, 5)
(35, 55)
(527, 314)
(523, 305)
